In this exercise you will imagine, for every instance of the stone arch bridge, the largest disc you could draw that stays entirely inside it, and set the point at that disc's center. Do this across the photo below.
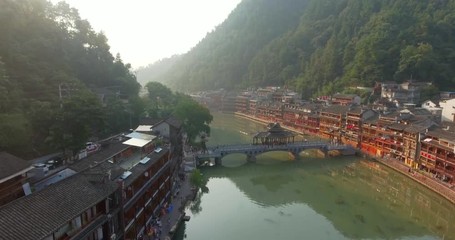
(252, 150)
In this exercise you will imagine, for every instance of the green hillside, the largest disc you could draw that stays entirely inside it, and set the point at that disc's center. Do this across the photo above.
(153, 72)
(54, 68)
(221, 59)
(323, 46)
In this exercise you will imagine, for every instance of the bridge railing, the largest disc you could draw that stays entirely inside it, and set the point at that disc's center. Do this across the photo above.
(223, 149)
(249, 146)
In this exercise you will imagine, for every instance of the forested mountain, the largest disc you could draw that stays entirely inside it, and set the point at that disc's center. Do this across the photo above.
(152, 72)
(221, 59)
(54, 69)
(322, 46)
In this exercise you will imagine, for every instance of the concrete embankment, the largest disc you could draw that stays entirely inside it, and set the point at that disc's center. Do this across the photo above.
(446, 191)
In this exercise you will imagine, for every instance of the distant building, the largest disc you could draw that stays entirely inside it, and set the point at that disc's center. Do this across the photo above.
(332, 122)
(345, 99)
(448, 110)
(435, 110)
(355, 116)
(170, 128)
(400, 93)
(437, 154)
(446, 95)
(242, 103)
(418, 113)
(228, 102)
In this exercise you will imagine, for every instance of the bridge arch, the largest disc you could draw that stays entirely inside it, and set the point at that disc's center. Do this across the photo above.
(252, 150)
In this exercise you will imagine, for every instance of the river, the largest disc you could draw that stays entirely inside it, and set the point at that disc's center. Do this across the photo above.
(309, 197)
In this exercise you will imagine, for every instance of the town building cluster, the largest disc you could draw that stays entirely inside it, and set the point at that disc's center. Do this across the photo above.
(117, 192)
(392, 127)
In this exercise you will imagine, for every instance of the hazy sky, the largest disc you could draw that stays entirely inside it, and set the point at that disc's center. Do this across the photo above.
(144, 31)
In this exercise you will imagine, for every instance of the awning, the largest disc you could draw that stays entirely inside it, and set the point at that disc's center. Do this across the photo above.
(125, 175)
(144, 128)
(145, 160)
(141, 136)
(136, 142)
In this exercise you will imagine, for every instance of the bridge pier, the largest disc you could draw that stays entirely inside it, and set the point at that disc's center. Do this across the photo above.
(218, 161)
(293, 155)
(348, 152)
(251, 158)
(324, 152)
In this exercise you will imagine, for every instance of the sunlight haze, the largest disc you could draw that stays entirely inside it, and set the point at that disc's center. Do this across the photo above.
(144, 31)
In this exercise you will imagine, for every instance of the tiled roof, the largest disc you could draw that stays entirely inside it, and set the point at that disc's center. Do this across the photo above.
(44, 212)
(275, 131)
(41, 213)
(397, 126)
(372, 119)
(420, 111)
(139, 169)
(391, 115)
(312, 106)
(174, 122)
(439, 145)
(450, 126)
(103, 155)
(441, 134)
(10, 165)
(420, 126)
(335, 109)
(355, 110)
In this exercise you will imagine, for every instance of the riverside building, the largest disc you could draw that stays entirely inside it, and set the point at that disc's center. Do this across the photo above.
(408, 135)
(113, 194)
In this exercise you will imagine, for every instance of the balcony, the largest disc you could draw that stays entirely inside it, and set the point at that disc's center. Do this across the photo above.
(90, 227)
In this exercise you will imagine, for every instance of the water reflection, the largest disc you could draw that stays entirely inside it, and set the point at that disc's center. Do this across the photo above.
(310, 198)
(360, 198)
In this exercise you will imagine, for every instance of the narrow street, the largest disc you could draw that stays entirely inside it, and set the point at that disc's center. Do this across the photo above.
(166, 226)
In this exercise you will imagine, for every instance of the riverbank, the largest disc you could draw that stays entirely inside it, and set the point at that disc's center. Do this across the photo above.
(440, 188)
(432, 184)
(165, 227)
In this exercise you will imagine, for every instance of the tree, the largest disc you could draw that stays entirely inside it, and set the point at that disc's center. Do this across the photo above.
(195, 118)
(159, 93)
(197, 179)
(428, 93)
(78, 119)
(42, 48)
(15, 134)
(160, 100)
(417, 62)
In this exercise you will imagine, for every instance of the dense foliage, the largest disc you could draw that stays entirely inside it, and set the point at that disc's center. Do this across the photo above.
(323, 46)
(54, 70)
(162, 102)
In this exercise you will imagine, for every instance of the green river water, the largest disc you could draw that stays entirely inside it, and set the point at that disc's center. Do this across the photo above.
(309, 198)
